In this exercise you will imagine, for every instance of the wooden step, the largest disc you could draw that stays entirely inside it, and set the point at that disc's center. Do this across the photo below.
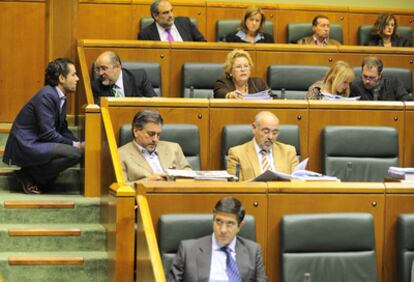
(5, 128)
(39, 204)
(44, 232)
(46, 260)
(1, 150)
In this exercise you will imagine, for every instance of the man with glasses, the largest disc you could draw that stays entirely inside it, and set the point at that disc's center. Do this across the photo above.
(375, 85)
(222, 256)
(168, 28)
(115, 81)
(263, 152)
(146, 157)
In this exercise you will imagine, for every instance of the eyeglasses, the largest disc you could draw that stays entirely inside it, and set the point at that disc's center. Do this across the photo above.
(267, 131)
(103, 68)
(369, 78)
(240, 67)
(229, 224)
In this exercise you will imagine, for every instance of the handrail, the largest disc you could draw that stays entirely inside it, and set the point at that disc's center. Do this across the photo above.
(84, 73)
(147, 246)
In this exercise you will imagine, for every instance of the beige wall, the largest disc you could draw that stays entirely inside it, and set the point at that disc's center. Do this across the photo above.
(352, 3)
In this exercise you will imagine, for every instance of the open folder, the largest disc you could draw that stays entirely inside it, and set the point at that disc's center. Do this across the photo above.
(299, 172)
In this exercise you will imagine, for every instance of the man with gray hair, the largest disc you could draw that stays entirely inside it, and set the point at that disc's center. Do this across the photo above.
(375, 85)
(263, 152)
(168, 28)
(115, 81)
(146, 157)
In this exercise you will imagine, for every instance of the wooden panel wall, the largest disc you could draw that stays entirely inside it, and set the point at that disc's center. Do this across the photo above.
(22, 55)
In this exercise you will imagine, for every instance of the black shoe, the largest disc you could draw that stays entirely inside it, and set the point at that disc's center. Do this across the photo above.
(28, 186)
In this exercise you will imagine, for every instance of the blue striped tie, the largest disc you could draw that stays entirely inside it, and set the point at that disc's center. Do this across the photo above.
(232, 269)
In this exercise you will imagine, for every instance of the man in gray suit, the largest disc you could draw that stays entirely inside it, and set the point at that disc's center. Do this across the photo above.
(222, 256)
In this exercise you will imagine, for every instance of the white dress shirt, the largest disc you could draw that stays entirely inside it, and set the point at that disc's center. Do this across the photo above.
(151, 157)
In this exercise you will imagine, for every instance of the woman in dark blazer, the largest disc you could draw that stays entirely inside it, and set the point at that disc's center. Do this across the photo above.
(251, 28)
(237, 82)
(384, 33)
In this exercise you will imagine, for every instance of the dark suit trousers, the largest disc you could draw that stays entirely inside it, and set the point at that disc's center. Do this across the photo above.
(63, 157)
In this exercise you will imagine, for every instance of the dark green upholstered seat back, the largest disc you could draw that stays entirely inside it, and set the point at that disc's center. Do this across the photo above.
(294, 79)
(237, 134)
(331, 247)
(296, 31)
(359, 153)
(405, 246)
(404, 74)
(187, 135)
(198, 79)
(146, 21)
(173, 228)
(153, 71)
(224, 27)
(364, 33)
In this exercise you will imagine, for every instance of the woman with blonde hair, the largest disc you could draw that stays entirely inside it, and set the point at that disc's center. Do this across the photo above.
(384, 33)
(251, 28)
(335, 82)
(237, 81)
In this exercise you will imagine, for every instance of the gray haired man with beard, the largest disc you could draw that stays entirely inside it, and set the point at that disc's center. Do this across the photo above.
(115, 81)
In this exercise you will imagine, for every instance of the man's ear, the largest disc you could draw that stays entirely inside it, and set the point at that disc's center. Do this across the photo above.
(61, 78)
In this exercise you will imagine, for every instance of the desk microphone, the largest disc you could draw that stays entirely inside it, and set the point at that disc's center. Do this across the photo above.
(191, 91)
(238, 172)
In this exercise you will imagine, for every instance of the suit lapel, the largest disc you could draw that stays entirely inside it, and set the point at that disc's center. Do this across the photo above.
(182, 30)
(242, 259)
(252, 156)
(127, 83)
(139, 158)
(164, 155)
(204, 260)
(276, 155)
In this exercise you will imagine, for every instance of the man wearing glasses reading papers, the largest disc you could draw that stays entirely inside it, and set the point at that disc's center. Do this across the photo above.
(263, 152)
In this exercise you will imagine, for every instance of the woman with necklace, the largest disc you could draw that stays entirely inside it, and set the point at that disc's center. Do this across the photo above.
(237, 82)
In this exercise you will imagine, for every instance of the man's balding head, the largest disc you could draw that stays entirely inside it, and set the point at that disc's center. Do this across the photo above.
(108, 66)
(265, 129)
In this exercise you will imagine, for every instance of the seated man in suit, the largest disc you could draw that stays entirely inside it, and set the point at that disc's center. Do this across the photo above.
(167, 28)
(263, 152)
(146, 157)
(374, 85)
(40, 141)
(116, 81)
(320, 37)
(222, 256)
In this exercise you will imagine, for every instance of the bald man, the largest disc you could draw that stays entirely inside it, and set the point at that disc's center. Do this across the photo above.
(115, 81)
(263, 152)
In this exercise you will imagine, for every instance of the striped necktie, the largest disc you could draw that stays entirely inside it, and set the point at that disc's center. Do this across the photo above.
(232, 269)
(265, 163)
(115, 91)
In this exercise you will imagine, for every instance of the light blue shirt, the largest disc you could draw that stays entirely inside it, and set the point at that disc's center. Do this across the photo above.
(62, 97)
(269, 156)
(151, 157)
(218, 260)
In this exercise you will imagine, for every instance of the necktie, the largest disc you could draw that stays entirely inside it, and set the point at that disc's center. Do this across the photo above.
(170, 38)
(115, 91)
(265, 163)
(232, 269)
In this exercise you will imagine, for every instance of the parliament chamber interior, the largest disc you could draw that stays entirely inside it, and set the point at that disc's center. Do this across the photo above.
(93, 226)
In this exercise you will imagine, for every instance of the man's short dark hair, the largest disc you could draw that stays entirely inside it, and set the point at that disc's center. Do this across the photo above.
(231, 205)
(372, 61)
(144, 117)
(54, 69)
(315, 19)
(154, 8)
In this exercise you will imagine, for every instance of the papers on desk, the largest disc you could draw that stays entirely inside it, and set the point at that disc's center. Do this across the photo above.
(262, 95)
(299, 173)
(221, 175)
(406, 173)
(327, 96)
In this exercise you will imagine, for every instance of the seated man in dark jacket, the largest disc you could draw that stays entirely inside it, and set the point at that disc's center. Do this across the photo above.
(167, 28)
(374, 85)
(116, 81)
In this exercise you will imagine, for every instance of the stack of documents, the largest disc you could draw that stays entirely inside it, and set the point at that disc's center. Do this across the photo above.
(299, 173)
(406, 173)
(327, 96)
(262, 95)
(221, 175)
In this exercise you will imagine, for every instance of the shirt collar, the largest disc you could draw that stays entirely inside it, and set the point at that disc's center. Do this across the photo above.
(60, 93)
(316, 41)
(243, 36)
(258, 149)
(216, 246)
(118, 82)
(145, 151)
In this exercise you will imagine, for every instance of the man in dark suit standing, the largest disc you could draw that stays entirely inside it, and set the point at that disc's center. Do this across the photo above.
(222, 256)
(115, 81)
(40, 141)
(167, 28)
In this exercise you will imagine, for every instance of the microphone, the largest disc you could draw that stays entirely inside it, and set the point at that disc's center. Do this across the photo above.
(238, 171)
(375, 93)
(283, 93)
(191, 91)
(348, 171)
